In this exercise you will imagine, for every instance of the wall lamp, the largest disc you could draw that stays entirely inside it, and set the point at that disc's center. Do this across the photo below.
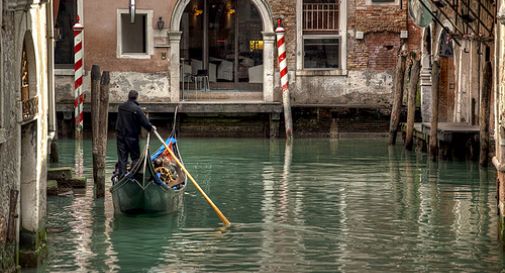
(197, 11)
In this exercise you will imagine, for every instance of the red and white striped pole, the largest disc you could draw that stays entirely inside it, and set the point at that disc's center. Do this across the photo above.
(78, 75)
(283, 68)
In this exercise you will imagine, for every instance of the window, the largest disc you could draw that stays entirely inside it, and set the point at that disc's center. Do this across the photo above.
(134, 39)
(321, 34)
(320, 16)
(64, 34)
(321, 52)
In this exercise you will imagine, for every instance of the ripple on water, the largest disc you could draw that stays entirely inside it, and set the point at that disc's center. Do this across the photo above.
(333, 206)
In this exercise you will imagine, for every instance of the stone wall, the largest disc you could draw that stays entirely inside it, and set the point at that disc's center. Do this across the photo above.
(9, 142)
(23, 27)
(152, 87)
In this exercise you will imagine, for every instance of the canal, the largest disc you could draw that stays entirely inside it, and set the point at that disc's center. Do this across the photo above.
(330, 206)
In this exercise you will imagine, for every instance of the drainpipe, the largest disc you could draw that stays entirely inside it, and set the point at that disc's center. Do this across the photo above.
(50, 72)
(132, 9)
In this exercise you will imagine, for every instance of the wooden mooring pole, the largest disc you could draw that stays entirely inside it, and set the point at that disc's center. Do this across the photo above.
(397, 96)
(487, 79)
(99, 117)
(411, 108)
(283, 69)
(435, 74)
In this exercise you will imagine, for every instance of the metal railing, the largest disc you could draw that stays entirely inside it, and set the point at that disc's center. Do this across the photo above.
(320, 17)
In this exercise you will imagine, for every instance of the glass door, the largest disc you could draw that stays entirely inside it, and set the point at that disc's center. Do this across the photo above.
(223, 38)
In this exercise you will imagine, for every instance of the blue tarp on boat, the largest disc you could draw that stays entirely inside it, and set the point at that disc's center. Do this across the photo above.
(168, 141)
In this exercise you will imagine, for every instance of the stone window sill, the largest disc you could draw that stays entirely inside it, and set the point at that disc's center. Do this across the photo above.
(63, 72)
(319, 73)
(140, 56)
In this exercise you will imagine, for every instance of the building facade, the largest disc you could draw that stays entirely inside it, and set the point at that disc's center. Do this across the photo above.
(499, 105)
(339, 52)
(26, 126)
(460, 37)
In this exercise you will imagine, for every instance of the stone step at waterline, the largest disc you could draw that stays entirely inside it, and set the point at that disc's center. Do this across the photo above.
(52, 187)
(73, 182)
(62, 179)
(61, 173)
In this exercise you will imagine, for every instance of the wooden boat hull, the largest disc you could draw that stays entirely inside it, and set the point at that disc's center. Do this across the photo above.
(146, 193)
(129, 197)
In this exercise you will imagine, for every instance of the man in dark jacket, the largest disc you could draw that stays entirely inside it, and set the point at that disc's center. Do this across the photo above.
(129, 120)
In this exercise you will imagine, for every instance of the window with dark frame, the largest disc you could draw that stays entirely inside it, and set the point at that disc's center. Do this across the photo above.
(134, 35)
(64, 34)
(321, 37)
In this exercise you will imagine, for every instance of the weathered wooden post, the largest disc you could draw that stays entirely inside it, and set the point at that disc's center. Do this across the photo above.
(97, 139)
(397, 96)
(411, 109)
(487, 79)
(54, 156)
(435, 74)
(103, 113)
(283, 68)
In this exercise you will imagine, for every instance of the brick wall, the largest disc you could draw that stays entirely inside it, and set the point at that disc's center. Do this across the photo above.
(379, 18)
(287, 11)
(381, 26)
(382, 50)
(370, 60)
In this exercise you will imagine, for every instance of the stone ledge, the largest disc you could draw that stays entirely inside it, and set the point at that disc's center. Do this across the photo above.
(193, 107)
(63, 173)
(321, 73)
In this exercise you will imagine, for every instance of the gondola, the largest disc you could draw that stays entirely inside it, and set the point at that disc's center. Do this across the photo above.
(151, 187)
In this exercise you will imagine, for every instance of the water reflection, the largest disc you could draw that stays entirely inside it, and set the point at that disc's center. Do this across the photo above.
(316, 206)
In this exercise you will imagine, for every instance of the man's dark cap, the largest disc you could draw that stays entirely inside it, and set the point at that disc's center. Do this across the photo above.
(133, 95)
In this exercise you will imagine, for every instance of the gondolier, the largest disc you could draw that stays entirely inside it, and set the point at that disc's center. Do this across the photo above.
(129, 121)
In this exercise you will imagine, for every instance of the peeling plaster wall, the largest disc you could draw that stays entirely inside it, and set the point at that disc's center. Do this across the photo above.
(152, 87)
(357, 88)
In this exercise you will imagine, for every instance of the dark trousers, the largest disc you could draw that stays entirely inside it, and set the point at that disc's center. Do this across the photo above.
(127, 146)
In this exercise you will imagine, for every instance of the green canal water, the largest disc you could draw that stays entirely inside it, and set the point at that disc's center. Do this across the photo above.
(325, 206)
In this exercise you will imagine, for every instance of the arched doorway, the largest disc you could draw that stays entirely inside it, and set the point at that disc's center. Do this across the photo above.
(224, 39)
(447, 81)
(30, 190)
(425, 76)
(231, 41)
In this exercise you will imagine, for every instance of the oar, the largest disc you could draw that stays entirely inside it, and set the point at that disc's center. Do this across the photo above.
(175, 118)
(146, 153)
(214, 207)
